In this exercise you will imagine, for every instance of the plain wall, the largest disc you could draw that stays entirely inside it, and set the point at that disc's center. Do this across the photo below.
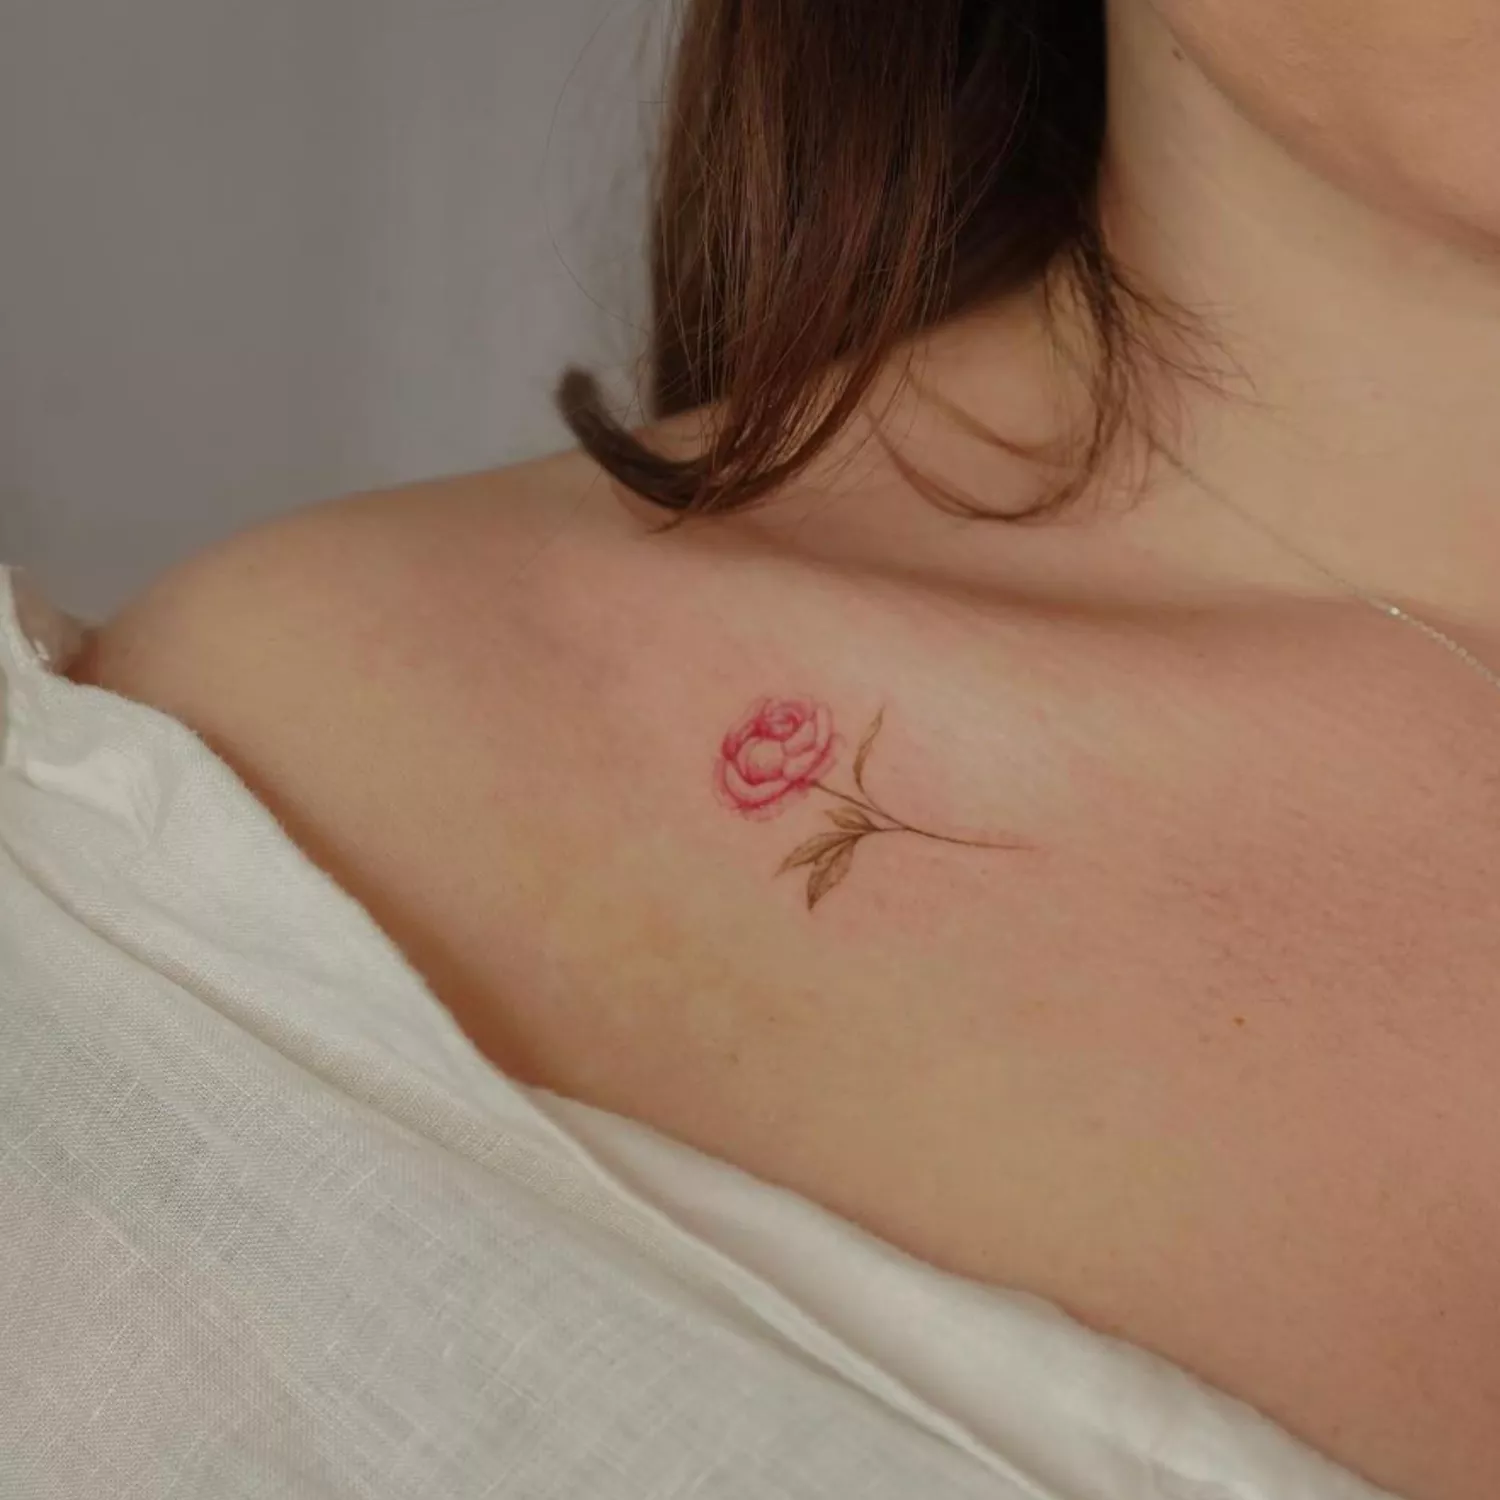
(258, 252)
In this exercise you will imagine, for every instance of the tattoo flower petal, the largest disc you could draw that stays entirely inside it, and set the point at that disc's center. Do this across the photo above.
(774, 754)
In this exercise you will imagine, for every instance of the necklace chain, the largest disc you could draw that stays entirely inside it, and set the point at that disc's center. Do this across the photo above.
(1384, 606)
(1462, 652)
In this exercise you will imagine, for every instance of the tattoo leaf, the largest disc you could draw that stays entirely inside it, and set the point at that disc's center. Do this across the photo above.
(830, 872)
(813, 850)
(865, 746)
(852, 820)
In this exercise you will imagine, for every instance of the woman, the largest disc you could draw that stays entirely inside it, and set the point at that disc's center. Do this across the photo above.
(1073, 882)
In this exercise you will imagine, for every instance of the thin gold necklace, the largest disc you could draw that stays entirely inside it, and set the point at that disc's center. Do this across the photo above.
(1393, 611)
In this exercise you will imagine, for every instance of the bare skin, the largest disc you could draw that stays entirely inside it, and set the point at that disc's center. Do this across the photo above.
(1211, 1061)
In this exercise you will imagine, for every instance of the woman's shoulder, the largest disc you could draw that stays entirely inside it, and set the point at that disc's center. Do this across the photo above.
(275, 617)
(277, 602)
(280, 599)
(531, 582)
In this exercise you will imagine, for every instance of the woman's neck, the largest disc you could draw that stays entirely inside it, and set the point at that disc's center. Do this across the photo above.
(1360, 406)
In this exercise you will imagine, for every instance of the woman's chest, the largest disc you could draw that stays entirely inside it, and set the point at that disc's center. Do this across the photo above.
(1219, 1081)
(1209, 1064)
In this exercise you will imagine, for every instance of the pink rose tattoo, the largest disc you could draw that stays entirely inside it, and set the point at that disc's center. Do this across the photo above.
(775, 754)
(785, 748)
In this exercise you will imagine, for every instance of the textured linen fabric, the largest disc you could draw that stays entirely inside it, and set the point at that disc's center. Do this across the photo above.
(269, 1226)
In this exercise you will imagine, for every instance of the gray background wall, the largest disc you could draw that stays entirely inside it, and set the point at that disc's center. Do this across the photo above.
(257, 252)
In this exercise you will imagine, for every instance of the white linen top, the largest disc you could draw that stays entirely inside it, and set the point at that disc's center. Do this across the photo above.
(270, 1227)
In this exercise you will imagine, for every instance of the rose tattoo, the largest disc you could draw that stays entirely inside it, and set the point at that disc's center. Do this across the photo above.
(783, 749)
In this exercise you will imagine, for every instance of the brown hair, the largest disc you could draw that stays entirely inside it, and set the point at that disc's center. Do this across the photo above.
(837, 176)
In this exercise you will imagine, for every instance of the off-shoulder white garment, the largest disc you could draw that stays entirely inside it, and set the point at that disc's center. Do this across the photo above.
(270, 1227)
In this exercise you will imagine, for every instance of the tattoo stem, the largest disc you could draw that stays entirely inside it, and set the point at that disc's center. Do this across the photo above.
(899, 826)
